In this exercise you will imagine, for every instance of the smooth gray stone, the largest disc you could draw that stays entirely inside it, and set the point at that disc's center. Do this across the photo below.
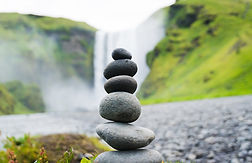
(121, 53)
(122, 83)
(120, 107)
(123, 136)
(120, 67)
(133, 156)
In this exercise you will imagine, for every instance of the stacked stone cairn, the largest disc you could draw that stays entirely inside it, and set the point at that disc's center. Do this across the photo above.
(122, 107)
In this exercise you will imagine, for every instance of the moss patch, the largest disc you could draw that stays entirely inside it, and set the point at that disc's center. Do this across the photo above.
(57, 144)
(19, 98)
(28, 149)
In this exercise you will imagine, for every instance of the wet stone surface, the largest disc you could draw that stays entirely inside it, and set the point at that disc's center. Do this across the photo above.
(211, 131)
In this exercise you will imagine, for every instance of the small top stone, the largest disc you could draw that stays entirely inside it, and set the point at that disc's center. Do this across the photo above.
(121, 53)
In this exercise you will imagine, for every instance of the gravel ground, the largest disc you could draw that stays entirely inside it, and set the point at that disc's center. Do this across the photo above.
(207, 131)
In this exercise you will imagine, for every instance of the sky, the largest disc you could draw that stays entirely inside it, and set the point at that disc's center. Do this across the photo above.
(106, 15)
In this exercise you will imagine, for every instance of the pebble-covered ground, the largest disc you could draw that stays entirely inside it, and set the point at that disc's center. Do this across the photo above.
(207, 131)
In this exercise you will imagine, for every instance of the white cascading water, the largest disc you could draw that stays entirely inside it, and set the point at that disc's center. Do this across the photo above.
(138, 42)
(100, 60)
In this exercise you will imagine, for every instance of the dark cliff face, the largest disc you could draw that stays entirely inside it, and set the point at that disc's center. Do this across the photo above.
(55, 45)
(75, 52)
(205, 53)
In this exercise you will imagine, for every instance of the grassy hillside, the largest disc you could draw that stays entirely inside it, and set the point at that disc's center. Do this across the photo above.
(16, 98)
(206, 53)
(39, 45)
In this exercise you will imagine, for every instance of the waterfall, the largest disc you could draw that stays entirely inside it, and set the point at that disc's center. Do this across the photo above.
(138, 41)
(100, 62)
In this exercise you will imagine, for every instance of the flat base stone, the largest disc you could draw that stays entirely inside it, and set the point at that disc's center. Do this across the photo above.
(132, 156)
(124, 137)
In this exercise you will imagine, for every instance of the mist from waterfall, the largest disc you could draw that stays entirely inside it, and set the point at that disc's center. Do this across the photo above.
(59, 93)
(138, 42)
(72, 93)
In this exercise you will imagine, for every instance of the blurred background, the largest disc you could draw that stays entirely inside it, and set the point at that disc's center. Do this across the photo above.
(53, 53)
(52, 56)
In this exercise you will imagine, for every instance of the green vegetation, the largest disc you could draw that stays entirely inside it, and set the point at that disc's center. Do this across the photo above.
(206, 52)
(7, 101)
(40, 45)
(59, 148)
(57, 144)
(25, 150)
(19, 98)
(39, 49)
(28, 95)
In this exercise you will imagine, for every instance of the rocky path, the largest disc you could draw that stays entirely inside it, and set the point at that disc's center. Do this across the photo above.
(207, 131)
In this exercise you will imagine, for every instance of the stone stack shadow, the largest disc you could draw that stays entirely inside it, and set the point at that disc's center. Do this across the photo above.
(122, 107)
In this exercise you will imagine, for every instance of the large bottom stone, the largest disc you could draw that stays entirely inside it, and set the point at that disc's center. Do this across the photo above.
(123, 136)
(133, 156)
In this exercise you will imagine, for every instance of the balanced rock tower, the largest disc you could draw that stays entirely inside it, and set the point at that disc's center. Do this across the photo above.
(123, 108)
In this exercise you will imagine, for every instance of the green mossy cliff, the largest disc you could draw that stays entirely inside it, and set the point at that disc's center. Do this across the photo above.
(41, 50)
(206, 53)
(7, 101)
(42, 44)
(17, 98)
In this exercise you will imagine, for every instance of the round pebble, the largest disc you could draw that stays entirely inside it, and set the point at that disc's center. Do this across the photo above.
(120, 107)
(123, 136)
(121, 83)
(132, 156)
(121, 53)
(120, 67)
